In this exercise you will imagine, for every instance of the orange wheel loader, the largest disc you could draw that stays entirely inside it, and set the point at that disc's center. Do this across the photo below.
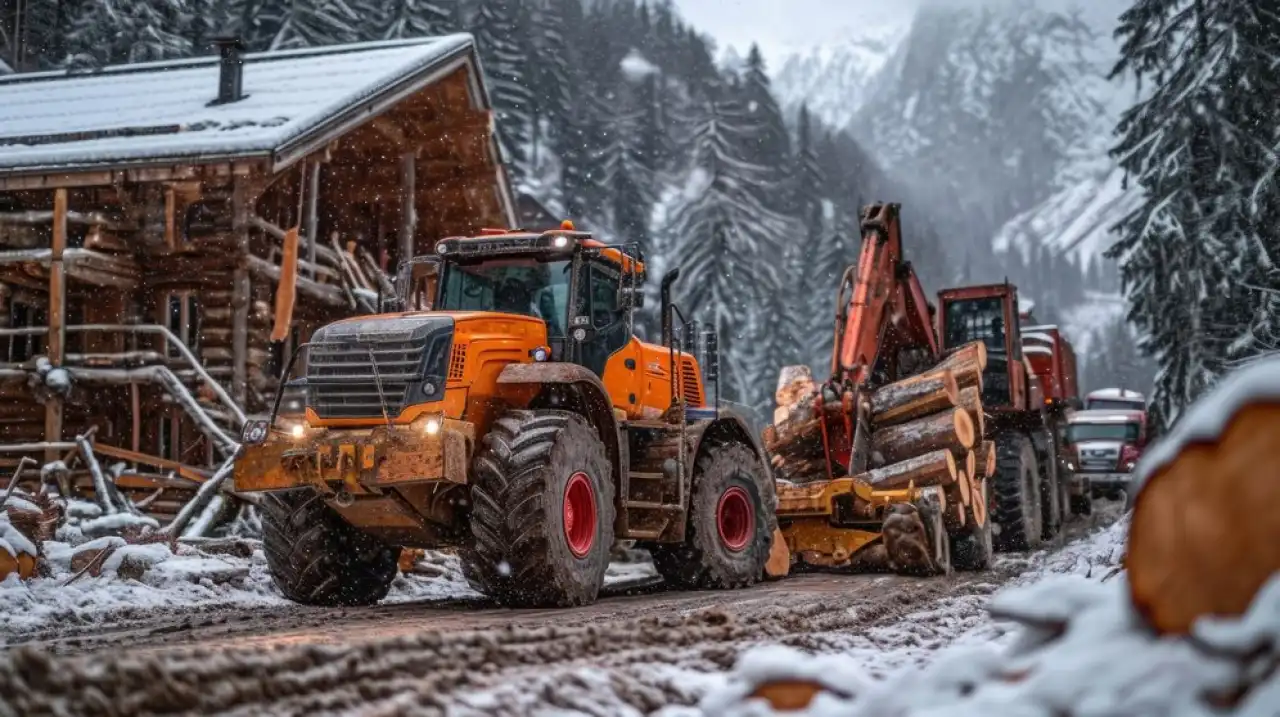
(506, 409)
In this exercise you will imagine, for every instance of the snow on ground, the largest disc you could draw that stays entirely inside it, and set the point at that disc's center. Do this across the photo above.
(155, 578)
(1088, 653)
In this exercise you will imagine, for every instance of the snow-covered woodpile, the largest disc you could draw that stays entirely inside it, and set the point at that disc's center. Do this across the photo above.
(922, 431)
(1189, 624)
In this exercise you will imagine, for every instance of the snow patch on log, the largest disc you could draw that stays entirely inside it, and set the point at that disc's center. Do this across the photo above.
(1205, 421)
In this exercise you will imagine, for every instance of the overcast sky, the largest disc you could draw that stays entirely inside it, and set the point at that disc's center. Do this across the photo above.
(788, 25)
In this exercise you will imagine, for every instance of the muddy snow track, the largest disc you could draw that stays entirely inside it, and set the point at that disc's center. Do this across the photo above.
(421, 658)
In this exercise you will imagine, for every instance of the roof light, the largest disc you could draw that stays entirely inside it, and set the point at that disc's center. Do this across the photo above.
(441, 247)
(561, 242)
(567, 225)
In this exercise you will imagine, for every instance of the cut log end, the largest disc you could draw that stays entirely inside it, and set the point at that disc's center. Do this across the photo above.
(978, 507)
(1206, 525)
(965, 488)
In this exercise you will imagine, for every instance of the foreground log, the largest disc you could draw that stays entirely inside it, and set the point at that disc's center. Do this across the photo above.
(930, 469)
(964, 487)
(970, 399)
(977, 509)
(795, 394)
(971, 463)
(913, 397)
(967, 364)
(947, 430)
(1206, 523)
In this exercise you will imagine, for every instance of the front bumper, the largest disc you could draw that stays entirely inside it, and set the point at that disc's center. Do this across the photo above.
(360, 460)
(1106, 481)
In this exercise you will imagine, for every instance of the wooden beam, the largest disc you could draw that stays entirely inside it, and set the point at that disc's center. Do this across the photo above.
(240, 299)
(170, 218)
(56, 342)
(135, 410)
(408, 204)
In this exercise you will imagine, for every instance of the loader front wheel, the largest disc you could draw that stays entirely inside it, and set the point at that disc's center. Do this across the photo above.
(1016, 494)
(971, 548)
(317, 558)
(731, 523)
(542, 515)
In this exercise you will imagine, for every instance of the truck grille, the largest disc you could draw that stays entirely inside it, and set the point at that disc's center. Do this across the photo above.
(411, 356)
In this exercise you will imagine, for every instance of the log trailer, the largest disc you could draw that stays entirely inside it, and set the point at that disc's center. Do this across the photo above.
(506, 408)
(886, 465)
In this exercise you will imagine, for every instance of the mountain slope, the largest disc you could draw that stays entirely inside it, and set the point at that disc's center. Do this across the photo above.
(833, 79)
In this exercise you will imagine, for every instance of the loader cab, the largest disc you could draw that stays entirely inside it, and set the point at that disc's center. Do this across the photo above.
(988, 314)
(581, 288)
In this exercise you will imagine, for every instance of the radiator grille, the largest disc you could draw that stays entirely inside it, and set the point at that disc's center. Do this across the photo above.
(343, 380)
(458, 362)
(689, 382)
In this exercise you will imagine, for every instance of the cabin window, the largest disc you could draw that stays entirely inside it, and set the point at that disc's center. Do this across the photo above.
(25, 316)
(182, 317)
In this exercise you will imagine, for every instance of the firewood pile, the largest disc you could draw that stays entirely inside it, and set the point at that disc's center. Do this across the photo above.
(925, 430)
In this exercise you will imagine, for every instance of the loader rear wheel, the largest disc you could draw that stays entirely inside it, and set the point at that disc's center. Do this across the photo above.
(1015, 494)
(542, 511)
(731, 523)
(317, 558)
(1053, 497)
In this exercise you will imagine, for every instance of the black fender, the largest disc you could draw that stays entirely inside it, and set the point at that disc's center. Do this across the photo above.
(586, 396)
(727, 427)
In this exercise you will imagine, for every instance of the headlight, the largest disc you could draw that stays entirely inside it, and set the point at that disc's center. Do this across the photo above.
(431, 427)
(1130, 465)
(561, 241)
(298, 431)
(1071, 466)
(253, 432)
(540, 354)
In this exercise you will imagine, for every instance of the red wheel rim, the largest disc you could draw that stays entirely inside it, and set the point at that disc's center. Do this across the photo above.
(735, 519)
(579, 515)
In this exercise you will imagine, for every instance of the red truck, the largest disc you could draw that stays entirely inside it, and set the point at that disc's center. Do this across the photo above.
(1028, 388)
(1103, 447)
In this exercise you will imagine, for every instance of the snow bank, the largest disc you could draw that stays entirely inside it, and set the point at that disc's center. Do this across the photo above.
(1080, 649)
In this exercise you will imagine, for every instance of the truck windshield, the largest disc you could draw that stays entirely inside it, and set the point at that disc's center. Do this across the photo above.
(976, 320)
(1102, 404)
(526, 286)
(1123, 432)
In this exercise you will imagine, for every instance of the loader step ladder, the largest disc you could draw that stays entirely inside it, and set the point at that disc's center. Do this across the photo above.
(649, 500)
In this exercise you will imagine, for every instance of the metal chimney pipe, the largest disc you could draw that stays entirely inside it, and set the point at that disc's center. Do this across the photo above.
(230, 69)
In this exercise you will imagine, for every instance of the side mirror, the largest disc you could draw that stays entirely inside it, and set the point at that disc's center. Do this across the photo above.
(630, 297)
(391, 305)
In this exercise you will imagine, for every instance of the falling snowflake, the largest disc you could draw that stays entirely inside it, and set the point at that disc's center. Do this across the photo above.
(504, 569)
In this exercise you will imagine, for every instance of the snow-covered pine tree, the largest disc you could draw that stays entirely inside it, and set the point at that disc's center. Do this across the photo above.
(549, 77)
(106, 32)
(506, 58)
(315, 23)
(818, 256)
(772, 148)
(722, 237)
(416, 18)
(1200, 144)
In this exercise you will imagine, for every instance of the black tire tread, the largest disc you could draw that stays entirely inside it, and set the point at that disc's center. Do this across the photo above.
(691, 565)
(317, 558)
(509, 558)
(1014, 510)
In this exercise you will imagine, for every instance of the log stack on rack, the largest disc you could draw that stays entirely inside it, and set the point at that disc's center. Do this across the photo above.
(925, 430)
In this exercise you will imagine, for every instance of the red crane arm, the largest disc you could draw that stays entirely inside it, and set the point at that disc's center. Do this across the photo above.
(886, 297)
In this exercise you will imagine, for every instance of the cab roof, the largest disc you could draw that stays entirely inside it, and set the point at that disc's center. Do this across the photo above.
(508, 242)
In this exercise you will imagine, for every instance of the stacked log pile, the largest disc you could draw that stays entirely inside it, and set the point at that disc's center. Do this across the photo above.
(923, 431)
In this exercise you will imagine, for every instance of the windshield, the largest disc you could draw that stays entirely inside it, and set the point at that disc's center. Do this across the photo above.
(1102, 404)
(976, 320)
(527, 286)
(1123, 432)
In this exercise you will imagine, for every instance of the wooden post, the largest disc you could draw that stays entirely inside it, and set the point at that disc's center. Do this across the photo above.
(240, 297)
(312, 227)
(56, 343)
(408, 207)
(135, 408)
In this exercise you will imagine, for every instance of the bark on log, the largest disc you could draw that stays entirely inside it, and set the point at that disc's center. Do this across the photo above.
(929, 469)
(971, 401)
(974, 351)
(986, 453)
(913, 397)
(948, 430)
(1206, 524)
(967, 365)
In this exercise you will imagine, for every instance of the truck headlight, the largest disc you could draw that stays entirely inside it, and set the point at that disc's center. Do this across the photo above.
(1071, 466)
(1130, 465)
(298, 431)
(432, 426)
(254, 432)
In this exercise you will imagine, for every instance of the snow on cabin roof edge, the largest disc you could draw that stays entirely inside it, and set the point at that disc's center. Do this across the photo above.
(316, 124)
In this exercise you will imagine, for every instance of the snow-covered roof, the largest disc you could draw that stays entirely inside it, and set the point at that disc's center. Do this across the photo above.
(153, 113)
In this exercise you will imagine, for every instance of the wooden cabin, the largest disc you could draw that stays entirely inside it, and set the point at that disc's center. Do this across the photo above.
(149, 211)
